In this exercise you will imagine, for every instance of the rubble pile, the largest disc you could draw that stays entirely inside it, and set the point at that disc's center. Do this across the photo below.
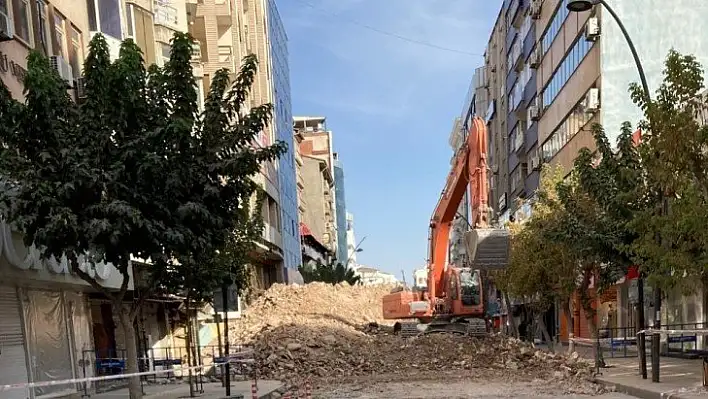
(332, 332)
(313, 305)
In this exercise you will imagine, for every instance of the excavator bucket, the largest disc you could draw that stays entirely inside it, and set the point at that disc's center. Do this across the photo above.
(488, 249)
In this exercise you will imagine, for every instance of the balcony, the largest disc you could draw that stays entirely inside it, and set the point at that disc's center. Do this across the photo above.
(272, 235)
(165, 14)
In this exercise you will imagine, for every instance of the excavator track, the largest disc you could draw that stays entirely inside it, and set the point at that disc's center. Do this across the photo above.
(470, 327)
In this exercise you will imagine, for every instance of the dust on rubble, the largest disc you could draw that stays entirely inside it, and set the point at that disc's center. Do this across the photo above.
(337, 334)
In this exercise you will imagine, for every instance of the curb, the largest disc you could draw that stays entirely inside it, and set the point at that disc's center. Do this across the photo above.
(641, 392)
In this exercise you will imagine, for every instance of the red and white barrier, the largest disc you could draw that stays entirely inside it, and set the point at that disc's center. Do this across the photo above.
(254, 389)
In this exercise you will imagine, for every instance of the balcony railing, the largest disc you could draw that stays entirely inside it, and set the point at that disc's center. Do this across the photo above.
(165, 14)
(272, 235)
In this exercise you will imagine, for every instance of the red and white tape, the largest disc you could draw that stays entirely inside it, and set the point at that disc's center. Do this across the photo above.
(11, 387)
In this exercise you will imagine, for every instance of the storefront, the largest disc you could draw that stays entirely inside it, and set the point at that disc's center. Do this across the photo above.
(46, 321)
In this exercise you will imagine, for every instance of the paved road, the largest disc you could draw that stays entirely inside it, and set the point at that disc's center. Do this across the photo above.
(457, 390)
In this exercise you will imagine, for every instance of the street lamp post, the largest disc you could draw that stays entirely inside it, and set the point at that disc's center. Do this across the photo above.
(357, 249)
(585, 5)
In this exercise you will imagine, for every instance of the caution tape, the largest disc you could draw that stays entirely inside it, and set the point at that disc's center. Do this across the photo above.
(10, 387)
(652, 331)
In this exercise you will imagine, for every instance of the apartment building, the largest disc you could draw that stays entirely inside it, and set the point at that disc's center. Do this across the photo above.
(316, 145)
(351, 241)
(457, 253)
(340, 208)
(225, 32)
(45, 309)
(495, 116)
(552, 73)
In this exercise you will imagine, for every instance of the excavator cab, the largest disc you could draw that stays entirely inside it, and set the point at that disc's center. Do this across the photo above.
(464, 292)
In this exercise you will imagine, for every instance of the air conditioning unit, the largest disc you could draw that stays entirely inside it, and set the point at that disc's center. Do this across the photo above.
(535, 58)
(535, 161)
(533, 113)
(592, 100)
(63, 69)
(592, 29)
(535, 9)
(7, 31)
(80, 87)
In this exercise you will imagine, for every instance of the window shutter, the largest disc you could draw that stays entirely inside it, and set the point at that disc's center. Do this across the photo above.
(52, 30)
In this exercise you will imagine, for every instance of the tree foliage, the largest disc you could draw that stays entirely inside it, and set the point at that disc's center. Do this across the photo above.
(332, 272)
(133, 169)
(540, 269)
(672, 241)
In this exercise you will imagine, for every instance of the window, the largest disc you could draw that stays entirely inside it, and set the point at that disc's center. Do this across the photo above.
(568, 66)
(554, 27)
(165, 14)
(44, 29)
(517, 180)
(23, 20)
(75, 56)
(165, 52)
(104, 16)
(567, 129)
(59, 35)
(130, 20)
(3, 7)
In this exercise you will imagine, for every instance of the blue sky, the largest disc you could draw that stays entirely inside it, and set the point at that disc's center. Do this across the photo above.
(390, 105)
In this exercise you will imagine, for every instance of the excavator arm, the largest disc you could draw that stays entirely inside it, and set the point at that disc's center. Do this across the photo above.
(489, 246)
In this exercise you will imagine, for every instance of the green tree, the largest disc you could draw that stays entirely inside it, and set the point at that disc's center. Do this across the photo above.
(672, 241)
(132, 170)
(541, 271)
(600, 200)
(332, 272)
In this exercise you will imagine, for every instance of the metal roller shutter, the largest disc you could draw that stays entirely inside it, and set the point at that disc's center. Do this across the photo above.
(13, 366)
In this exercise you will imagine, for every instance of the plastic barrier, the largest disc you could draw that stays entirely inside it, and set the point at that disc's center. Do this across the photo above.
(295, 392)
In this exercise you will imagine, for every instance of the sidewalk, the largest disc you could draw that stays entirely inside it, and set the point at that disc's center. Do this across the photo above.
(212, 390)
(679, 378)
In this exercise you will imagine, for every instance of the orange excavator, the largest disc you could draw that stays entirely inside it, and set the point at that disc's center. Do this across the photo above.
(454, 300)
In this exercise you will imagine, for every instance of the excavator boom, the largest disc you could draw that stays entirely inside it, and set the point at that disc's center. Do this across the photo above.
(455, 296)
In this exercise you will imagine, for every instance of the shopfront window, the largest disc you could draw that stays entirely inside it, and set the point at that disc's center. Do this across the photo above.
(49, 340)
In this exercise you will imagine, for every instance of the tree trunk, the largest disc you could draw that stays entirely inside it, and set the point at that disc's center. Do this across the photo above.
(544, 331)
(590, 317)
(188, 343)
(131, 349)
(510, 316)
(567, 309)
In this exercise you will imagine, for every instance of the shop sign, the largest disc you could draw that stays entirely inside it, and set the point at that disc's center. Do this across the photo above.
(13, 68)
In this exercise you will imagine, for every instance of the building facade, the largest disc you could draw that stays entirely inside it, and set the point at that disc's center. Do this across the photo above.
(457, 253)
(371, 276)
(316, 147)
(287, 175)
(351, 241)
(551, 74)
(340, 208)
(225, 32)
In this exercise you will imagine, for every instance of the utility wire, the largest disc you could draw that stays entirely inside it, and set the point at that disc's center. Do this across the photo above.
(386, 33)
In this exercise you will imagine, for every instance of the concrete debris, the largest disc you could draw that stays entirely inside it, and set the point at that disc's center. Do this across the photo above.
(330, 332)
